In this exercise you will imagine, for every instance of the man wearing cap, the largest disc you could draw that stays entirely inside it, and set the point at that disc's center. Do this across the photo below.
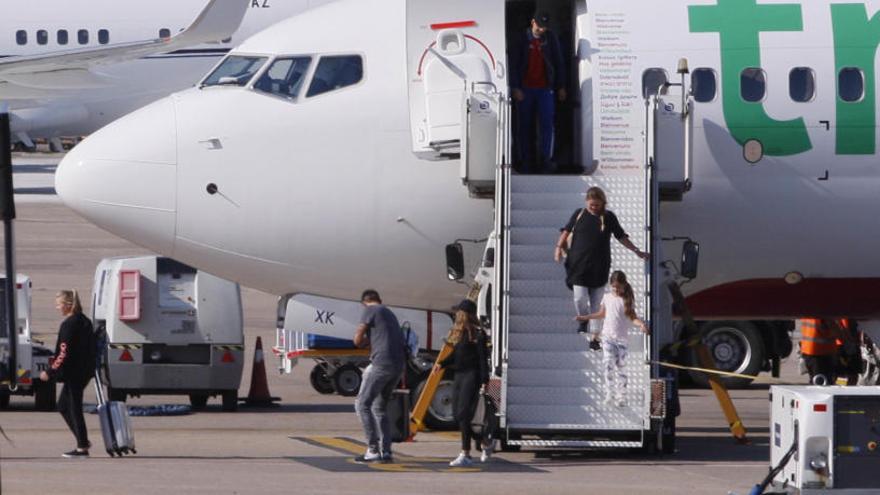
(380, 331)
(537, 73)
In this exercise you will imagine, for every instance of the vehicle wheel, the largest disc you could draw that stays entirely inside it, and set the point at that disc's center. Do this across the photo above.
(736, 346)
(44, 396)
(347, 380)
(198, 401)
(440, 415)
(116, 395)
(230, 400)
(320, 380)
(4, 398)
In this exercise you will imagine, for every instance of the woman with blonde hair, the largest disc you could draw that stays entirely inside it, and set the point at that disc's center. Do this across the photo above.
(470, 363)
(585, 243)
(74, 365)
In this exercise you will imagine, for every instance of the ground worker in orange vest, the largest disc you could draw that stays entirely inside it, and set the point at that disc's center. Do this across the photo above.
(818, 349)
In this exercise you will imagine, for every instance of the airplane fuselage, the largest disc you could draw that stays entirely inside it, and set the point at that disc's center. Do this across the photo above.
(324, 194)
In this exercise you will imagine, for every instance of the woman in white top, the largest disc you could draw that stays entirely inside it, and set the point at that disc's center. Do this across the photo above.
(617, 309)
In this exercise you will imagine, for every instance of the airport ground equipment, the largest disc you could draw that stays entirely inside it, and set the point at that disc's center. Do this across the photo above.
(321, 329)
(691, 337)
(115, 422)
(32, 356)
(835, 435)
(170, 329)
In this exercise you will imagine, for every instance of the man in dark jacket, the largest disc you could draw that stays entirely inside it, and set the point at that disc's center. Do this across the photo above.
(537, 71)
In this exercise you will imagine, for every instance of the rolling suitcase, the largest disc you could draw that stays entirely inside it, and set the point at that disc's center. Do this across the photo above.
(398, 415)
(115, 423)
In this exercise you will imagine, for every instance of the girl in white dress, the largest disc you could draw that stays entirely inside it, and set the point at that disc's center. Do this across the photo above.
(617, 309)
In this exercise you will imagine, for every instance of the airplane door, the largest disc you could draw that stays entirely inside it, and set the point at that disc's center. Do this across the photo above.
(454, 48)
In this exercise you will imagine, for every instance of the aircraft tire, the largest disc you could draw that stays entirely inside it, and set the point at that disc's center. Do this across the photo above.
(439, 415)
(736, 347)
(230, 400)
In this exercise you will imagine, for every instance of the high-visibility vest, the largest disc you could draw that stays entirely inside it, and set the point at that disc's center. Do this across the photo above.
(817, 338)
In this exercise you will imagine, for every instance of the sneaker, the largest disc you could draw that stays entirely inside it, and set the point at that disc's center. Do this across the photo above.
(369, 456)
(487, 453)
(461, 461)
(76, 454)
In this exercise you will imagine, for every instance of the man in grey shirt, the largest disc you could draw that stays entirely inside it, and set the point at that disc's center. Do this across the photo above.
(380, 331)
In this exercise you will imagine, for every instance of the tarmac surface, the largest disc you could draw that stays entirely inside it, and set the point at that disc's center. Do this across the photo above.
(306, 444)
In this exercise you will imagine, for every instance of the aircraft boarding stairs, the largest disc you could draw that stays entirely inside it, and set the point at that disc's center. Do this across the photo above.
(552, 381)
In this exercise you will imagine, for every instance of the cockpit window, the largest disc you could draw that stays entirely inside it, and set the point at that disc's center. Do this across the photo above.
(336, 72)
(236, 70)
(284, 77)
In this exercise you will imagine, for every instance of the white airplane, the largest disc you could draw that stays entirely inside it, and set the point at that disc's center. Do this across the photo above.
(71, 67)
(299, 165)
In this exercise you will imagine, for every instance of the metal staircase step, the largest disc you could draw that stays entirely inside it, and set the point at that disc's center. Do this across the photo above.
(568, 360)
(537, 271)
(539, 218)
(574, 184)
(538, 236)
(542, 253)
(553, 377)
(528, 324)
(540, 288)
(558, 342)
(542, 306)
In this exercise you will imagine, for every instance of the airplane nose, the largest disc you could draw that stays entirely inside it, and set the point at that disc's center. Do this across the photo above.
(123, 178)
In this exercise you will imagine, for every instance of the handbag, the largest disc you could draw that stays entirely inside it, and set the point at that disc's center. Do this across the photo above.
(570, 238)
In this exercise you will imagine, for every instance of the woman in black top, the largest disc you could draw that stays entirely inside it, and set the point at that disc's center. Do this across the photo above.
(588, 259)
(469, 361)
(73, 364)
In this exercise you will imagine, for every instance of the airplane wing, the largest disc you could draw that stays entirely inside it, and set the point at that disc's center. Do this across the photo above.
(217, 21)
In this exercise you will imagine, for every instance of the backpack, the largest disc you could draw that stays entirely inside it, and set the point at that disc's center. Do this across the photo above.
(410, 341)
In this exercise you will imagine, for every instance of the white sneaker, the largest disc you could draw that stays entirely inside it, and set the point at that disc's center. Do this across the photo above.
(487, 453)
(461, 461)
(369, 456)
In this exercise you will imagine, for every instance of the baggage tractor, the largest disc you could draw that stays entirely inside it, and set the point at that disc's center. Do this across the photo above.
(115, 423)
(398, 415)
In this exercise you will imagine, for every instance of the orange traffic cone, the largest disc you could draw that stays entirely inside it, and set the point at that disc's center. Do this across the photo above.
(259, 392)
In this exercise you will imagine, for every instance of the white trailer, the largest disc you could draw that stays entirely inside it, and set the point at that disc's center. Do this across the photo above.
(32, 356)
(825, 439)
(170, 329)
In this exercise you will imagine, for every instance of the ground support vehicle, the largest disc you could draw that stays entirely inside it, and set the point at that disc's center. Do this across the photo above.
(168, 329)
(33, 357)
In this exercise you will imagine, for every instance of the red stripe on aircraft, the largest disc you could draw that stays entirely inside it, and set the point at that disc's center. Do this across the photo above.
(453, 25)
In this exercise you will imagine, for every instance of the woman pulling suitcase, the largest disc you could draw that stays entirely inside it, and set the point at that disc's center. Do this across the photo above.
(73, 364)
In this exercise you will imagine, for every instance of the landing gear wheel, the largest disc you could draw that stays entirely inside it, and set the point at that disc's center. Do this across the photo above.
(736, 346)
(44, 396)
(230, 400)
(198, 401)
(116, 395)
(439, 415)
(320, 380)
(347, 380)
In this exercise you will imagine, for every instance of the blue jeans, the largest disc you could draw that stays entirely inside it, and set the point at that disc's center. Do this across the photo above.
(377, 384)
(587, 300)
(542, 102)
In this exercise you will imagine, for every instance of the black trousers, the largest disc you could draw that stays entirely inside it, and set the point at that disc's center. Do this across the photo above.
(466, 389)
(70, 405)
